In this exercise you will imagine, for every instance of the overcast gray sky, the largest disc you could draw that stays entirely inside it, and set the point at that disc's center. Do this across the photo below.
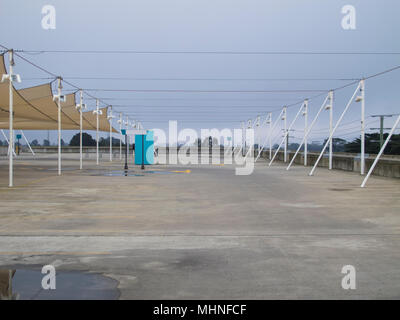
(212, 25)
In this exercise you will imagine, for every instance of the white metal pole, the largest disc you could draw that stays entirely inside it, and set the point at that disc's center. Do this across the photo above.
(270, 135)
(308, 132)
(243, 138)
(284, 140)
(97, 131)
(59, 125)
(286, 132)
(110, 118)
(127, 138)
(380, 152)
(273, 127)
(120, 136)
(250, 125)
(362, 88)
(11, 124)
(27, 142)
(258, 132)
(305, 130)
(333, 131)
(330, 128)
(80, 128)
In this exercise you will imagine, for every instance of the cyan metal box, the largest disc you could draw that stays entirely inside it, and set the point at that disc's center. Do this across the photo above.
(144, 148)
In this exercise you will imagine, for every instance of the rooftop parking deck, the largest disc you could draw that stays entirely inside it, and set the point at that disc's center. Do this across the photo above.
(200, 231)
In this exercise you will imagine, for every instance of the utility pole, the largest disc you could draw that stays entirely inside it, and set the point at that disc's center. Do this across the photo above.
(381, 128)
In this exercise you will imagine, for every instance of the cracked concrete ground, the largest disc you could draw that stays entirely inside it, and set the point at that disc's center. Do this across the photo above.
(169, 233)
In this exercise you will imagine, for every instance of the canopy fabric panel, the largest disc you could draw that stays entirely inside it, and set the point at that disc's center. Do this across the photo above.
(22, 108)
(104, 124)
(41, 97)
(34, 109)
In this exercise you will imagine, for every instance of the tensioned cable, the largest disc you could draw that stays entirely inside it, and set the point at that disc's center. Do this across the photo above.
(201, 91)
(197, 79)
(217, 52)
(227, 52)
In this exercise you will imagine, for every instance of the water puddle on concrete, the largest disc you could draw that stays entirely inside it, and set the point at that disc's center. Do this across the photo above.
(120, 174)
(123, 173)
(26, 284)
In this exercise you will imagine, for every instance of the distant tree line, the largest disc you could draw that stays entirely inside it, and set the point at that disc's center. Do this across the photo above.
(372, 143)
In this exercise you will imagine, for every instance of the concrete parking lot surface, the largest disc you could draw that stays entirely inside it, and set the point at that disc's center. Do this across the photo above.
(201, 232)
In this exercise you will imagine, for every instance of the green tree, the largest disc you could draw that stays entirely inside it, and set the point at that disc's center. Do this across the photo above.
(87, 140)
(338, 144)
(372, 144)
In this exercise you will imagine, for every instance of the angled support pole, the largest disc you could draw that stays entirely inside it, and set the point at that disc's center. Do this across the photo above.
(284, 140)
(8, 142)
(380, 152)
(308, 131)
(27, 142)
(334, 129)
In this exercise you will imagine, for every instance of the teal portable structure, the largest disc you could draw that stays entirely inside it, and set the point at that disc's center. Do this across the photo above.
(144, 148)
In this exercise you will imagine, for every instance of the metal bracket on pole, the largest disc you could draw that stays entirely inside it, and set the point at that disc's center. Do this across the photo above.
(334, 129)
(284, 140)
(380, 152)
(27, 142)
(308, 131)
